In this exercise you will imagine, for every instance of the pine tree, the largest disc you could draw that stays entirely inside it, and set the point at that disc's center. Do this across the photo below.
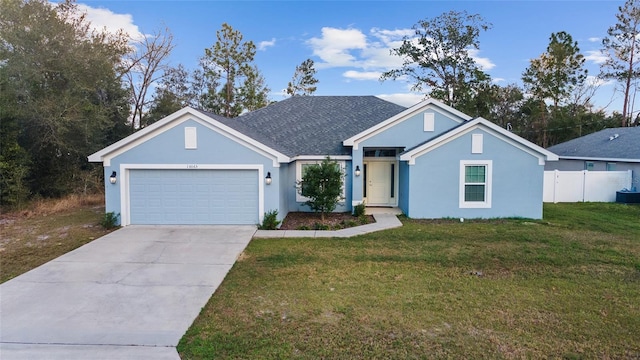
(303, 81)
(233, 82)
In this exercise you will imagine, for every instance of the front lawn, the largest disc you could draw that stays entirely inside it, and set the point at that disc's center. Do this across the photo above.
(564, 287)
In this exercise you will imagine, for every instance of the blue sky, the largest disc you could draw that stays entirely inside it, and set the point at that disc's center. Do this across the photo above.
(350, 40)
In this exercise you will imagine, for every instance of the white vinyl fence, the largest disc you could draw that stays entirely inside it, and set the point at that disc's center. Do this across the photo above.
(578, 186)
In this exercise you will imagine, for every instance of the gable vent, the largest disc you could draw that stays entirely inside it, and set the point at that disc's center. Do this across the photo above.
(190, 138)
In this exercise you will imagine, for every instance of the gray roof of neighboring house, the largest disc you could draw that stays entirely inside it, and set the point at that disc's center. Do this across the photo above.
(312, 125)
(615, 143)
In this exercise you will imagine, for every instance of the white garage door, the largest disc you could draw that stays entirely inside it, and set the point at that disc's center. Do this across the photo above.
(193, 196)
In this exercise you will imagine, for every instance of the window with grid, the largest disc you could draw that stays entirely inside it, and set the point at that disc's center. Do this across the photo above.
(475, 183)
(301, 170)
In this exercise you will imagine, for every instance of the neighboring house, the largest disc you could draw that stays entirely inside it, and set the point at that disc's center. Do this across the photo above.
(429, 160)
(616, 149)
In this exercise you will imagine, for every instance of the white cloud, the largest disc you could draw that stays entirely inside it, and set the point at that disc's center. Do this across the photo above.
(105, 19)
(498, 80)
(594, 39)
(596, 56)
(263, 45)
(596, 81)
(403, 99)
(362, 75)
(335, 46)
(353, 48)
(378, 54)
(484, 63)
(369, 54)
(389, 37)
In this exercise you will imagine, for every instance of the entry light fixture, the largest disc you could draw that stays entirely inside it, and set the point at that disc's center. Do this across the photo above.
(357, 172)
(113, 178)
(267, 180)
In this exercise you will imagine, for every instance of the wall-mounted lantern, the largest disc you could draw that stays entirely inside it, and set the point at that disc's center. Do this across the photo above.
(357, 172)
(113, 178)
(267, 180)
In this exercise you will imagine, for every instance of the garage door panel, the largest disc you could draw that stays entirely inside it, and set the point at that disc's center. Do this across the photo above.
(174, 196)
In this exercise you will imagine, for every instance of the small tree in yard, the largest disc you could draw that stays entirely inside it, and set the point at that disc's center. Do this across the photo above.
(322, 184)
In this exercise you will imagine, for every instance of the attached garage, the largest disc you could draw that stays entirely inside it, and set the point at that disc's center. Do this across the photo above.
(190, 168)
(194, 196)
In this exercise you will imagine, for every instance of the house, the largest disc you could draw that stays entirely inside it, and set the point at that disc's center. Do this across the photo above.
(430, 160)
(615, 149)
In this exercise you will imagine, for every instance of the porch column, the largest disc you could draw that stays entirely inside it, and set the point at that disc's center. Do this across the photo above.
(356, 184)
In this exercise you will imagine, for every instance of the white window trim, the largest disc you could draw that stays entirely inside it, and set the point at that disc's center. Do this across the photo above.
(487, 189)
(299, 197)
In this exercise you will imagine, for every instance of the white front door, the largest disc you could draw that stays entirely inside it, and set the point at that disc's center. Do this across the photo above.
(380, 191)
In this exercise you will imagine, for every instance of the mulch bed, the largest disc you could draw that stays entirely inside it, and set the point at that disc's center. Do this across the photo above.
(332, 221)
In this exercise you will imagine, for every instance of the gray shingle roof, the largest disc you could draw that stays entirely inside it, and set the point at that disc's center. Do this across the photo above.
(312, 125)
(597, 145)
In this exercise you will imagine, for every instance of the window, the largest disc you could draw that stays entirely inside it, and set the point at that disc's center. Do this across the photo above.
(380, 153)
(364, 180)
(303, 172)
(611, 166)
(588, 165)
(393, 181)
(475, 183)
(300, 171)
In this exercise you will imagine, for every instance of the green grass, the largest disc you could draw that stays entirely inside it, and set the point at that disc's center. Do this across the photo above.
(564, 287)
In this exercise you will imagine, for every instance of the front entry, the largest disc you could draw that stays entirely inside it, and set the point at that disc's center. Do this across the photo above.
(380, 183)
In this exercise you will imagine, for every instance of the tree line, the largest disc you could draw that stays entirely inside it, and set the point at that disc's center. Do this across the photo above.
(554, 103)
(68, 90)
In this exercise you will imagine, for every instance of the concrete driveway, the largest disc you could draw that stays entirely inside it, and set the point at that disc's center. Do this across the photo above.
(131, 294)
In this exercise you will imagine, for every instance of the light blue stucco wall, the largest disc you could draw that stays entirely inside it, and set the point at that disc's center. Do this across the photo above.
(290, 187)
(404, 188)
(410, 132)
(356, 186)
(284, 191)
(517, 181)
(403, 135)
(213, 148)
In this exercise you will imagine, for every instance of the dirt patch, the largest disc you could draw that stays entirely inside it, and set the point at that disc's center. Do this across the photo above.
(44, 231)
(332, 221)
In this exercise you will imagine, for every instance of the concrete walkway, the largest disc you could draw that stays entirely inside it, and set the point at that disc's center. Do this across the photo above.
(386, 218)
(131, 294)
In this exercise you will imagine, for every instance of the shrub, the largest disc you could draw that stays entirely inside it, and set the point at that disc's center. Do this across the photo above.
(109, 220)
(319, 226)
(270, 221)
(322, 184)
(349, 223)
(359, 210)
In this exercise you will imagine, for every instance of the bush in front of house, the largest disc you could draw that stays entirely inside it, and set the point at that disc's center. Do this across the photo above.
(270, 221)
(322, 184)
